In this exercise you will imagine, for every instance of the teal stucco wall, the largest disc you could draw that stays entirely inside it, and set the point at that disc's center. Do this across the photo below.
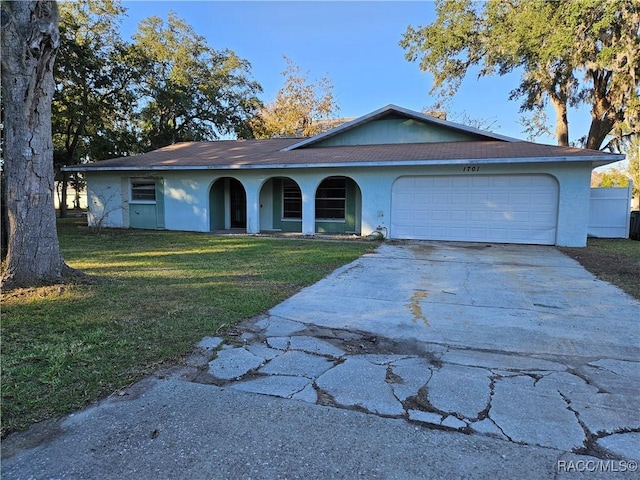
(388, 131)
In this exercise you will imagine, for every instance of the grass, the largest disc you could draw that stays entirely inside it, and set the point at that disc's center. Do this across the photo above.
(158, 294)
(616, 261)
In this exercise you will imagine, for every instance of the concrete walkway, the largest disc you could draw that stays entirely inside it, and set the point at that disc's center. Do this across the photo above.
(421, 360)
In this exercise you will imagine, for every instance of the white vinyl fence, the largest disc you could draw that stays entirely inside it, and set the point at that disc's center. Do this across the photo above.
(609, 212)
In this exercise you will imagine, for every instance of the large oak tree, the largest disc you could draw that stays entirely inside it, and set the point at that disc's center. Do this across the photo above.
(188, 90)
(30, 40)
(569, 53)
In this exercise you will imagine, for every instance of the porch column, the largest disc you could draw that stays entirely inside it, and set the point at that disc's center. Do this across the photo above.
(308, 209)
(252, 190)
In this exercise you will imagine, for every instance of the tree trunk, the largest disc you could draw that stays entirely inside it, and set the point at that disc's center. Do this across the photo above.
(63, 196)
(598, 131)
(30, 40)
(562, 123)
(603, 115)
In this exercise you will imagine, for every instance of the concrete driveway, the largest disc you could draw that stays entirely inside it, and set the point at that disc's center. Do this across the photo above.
(423, 359)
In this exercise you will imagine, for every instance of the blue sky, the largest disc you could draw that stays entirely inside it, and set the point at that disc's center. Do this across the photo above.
(354, 44)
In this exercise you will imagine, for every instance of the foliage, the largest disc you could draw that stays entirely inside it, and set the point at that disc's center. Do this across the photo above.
(443, 111)
(115, 98)
(628, 142)
(93, 102)
(156, 294)
(609, 178)
(569, 53)
(633, 169)
(299, 108)
(92, 105)
(191, 91)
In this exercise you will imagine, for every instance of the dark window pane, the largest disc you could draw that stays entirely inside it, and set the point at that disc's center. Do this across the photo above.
(331, 199)
(143, 189)
(291, 200)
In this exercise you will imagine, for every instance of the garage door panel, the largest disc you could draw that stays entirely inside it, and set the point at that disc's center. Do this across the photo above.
(458, 215)
(541, 218)
(438, 232)
(520, 199)
(479, 198)
(499, 200)
(498, 208)
(479, 181)
(498, 234)
(498, 181)
(402, 216)
(480, 233)
(542, 200)
(458, 199)
(439, 198)
(478, 216)
(403, 199)
(459, 182)
(520, 216)
(404, 182)
(458, 233)
(542, 233)
(440, 182)
(438, 215)
(403, 232)
(519, 235)
(522, 181)
(421, 215)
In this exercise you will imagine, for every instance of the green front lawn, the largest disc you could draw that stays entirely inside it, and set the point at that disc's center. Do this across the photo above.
(156, 295)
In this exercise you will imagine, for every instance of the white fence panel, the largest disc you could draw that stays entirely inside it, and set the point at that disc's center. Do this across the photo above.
(609, 212)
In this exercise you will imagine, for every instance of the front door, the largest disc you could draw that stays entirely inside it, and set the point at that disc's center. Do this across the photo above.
(238, 204)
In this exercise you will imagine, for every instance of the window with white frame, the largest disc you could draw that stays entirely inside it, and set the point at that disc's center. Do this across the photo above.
(143, 189)
(331, 198)
(291, 200)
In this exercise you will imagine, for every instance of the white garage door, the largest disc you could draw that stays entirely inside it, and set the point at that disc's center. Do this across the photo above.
(476, 208)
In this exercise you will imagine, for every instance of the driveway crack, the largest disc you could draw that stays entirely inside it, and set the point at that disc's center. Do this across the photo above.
(590, 447)
(486, 413)
(502, 431)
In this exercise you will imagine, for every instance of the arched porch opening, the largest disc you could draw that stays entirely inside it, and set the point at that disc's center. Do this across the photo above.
(227, 205)
(338, 206)
(280, 205)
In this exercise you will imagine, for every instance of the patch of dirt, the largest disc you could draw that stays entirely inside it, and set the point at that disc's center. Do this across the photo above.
(618, 269)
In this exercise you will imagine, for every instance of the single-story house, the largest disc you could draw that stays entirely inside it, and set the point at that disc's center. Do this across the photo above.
(395, 171)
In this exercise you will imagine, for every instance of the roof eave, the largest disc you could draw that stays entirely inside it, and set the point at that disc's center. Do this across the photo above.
(594, 161)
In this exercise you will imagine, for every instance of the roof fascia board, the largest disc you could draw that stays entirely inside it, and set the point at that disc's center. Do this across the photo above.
(409, 113)
(596, 161)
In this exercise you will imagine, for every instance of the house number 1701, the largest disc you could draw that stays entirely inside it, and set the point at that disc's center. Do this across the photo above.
(470, 168)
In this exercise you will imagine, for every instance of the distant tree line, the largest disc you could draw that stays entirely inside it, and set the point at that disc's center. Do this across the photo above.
(115, 98)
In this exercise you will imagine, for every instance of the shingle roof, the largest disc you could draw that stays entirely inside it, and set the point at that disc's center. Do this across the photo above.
(234, 154)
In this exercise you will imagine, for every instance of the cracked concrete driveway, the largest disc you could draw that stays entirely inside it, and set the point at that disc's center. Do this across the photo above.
(511, 359)
(515, 342)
